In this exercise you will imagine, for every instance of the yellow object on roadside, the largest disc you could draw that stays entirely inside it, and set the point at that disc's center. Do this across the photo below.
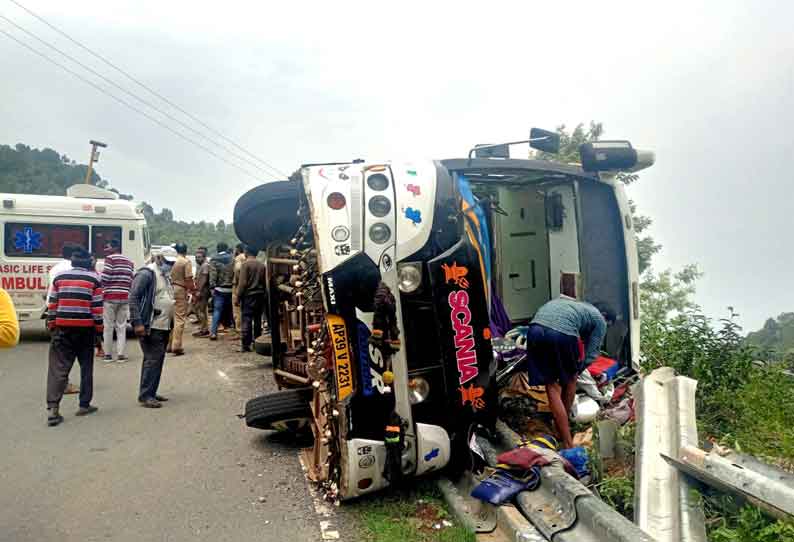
(9, 325)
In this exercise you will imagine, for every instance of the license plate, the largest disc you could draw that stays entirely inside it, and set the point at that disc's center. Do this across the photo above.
(341, 348)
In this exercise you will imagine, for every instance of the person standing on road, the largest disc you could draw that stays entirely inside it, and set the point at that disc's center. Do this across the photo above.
(64, 265)
(116, 282)
(239, 258)
(9, 325)
(251, 297)
(202, 295)
(151, 310)
(74, 316)
(182, 281)
(221, 281)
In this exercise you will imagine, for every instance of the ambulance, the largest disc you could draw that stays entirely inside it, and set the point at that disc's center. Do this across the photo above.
(34, 230)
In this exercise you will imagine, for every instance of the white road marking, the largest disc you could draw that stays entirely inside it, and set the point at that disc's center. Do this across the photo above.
(223, 375)
(322, 509)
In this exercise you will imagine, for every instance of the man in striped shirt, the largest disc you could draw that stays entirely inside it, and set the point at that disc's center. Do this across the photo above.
(74, 316)
(116, 282)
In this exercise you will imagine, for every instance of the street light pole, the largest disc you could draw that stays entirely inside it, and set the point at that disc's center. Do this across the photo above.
(94, 158)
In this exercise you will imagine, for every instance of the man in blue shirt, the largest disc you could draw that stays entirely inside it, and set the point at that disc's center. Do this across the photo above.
(553, 339)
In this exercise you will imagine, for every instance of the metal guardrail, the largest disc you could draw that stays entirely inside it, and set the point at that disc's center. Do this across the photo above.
(668, 466)
(664, 505)
(765, 486)
(564, 510)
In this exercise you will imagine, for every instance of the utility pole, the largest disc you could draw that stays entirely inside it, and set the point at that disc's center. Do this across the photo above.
(94, 158)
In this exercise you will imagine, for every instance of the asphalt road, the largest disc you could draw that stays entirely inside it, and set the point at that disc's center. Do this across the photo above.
(189, 471)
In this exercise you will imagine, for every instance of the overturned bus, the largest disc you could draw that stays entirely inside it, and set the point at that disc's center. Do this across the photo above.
(387, 282)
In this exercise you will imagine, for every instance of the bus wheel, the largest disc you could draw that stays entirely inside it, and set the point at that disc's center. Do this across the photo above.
(286, 410)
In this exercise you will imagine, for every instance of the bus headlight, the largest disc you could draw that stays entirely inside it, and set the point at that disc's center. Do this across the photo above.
(379, 233)
(410, 277)
(418, 390)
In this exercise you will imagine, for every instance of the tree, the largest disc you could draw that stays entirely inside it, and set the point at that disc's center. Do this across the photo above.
(571, 141)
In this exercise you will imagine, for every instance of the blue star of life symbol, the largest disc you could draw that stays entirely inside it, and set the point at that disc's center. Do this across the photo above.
(27, 240)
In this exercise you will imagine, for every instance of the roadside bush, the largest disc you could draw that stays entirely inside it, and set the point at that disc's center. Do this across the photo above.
(764, 424)
(716, 358)
(750, 525)
(618, 492)
(745, 404)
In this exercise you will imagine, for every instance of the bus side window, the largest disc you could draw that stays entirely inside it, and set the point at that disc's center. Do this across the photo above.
(132, 235)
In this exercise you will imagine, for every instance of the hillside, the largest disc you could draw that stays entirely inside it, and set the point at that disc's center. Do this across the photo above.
(776, 337)
(26, 170)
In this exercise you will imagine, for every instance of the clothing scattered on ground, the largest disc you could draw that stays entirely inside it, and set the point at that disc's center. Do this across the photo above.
(501, 486)
(579, 459)
(117, 278)
(9, 325)
(604, 368)
(76, 300)
(577, 319)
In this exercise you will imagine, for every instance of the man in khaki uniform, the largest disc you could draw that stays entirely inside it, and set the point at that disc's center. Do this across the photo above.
(203, 293)
(182, 281)
(239, 258)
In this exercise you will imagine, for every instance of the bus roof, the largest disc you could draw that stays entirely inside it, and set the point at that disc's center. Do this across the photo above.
(65, 206)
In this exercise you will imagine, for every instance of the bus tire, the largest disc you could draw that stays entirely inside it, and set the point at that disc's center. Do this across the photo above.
(286, 410)
(264, 347)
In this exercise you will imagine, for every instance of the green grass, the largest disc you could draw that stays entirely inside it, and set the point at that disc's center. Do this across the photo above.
(408, 515)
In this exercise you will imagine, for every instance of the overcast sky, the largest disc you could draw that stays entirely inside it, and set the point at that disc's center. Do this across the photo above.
(709, 86)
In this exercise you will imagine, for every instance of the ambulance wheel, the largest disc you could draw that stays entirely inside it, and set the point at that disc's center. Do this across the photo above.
(286, 410)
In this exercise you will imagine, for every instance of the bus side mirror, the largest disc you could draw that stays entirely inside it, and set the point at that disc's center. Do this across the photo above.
(544, 141)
